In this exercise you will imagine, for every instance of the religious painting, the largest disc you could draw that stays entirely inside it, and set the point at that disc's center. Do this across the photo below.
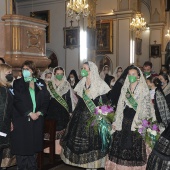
(71, 37)
(43, 15)
(155, 50)
(91, 38)
(104, 37)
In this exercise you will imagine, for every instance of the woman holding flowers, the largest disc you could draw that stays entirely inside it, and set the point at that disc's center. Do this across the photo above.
(159, 158)
(82, 145)
(160, 105)
(128, 150)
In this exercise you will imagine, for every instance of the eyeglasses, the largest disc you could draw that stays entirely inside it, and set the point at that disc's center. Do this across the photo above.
(25, 68)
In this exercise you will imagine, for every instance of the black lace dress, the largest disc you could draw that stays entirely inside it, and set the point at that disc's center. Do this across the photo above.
(82, 146)
(128, 148)
(159, 159)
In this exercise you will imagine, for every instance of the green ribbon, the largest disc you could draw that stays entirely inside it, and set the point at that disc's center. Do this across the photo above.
(131, 100)
(104, 131)
(89, 103)
(57, 96)
(104, 126)
(28, 79)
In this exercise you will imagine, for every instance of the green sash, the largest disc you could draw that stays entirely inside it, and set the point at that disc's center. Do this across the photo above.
(58, 97)
(89, 103)
(131, 100)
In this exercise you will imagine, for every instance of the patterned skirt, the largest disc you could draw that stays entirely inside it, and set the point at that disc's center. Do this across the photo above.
(159, 159)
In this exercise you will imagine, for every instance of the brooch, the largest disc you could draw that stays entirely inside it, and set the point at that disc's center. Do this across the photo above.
(12, 91)
(40, 85)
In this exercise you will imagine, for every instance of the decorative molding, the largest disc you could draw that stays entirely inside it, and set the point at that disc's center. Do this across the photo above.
(157, 24)
(26, 53)
(34, 39)
(24, 19)
(28, 4)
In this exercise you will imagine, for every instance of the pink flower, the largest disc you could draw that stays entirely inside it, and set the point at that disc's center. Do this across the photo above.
(145, 123)
(155, 127)
(140, 130)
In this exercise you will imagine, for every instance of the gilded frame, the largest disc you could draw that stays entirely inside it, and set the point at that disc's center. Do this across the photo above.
(104, 35)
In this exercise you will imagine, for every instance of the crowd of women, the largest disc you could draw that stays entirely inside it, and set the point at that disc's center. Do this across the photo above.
(136, 94)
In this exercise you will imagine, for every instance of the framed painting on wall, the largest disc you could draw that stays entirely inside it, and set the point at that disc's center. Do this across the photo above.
(155, 50)
(104, 37)
(71, 37)
(91, 38)
(43, 15)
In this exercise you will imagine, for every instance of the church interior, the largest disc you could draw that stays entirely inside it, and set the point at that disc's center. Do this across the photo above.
(108, 32)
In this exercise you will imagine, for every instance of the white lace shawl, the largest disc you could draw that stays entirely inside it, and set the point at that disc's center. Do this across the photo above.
(63, 88)
(102, 74)
(98, 86)
(166, 90)
(115, 73)
(145, 108)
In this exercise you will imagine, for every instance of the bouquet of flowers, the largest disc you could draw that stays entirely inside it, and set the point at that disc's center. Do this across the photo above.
(149, 131)
(101, 121)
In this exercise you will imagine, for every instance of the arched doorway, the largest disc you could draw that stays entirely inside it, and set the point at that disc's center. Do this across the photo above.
(102, 60)
(53, 57)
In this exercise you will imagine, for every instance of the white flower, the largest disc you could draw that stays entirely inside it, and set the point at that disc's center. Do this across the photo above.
(104, 113)
(140, 126)
(149, 130)
(100, 111)
(153, 132)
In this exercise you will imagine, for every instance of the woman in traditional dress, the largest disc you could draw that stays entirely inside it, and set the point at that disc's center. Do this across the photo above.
(160, 104)
(60, 106)
(105, 70)
(6, 108)
(73, 79)
(46, 75)
(116, 89)
(128, 150)
(164, 78)
(159, 159)
(117, 73)
(81, 145)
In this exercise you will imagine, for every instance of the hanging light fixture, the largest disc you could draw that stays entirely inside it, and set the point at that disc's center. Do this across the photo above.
(168, 33)
(78, 7)
(138, 24)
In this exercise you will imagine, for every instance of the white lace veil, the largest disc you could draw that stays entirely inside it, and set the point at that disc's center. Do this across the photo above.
(98, 86)
(102, 74)
(47, 71)
(115, 72)
(145, 107)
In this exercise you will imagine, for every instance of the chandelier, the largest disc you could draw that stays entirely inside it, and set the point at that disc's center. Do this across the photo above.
(78, 7)
(138, 24)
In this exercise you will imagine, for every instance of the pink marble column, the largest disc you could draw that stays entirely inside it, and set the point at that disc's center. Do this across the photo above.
(2, 41)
